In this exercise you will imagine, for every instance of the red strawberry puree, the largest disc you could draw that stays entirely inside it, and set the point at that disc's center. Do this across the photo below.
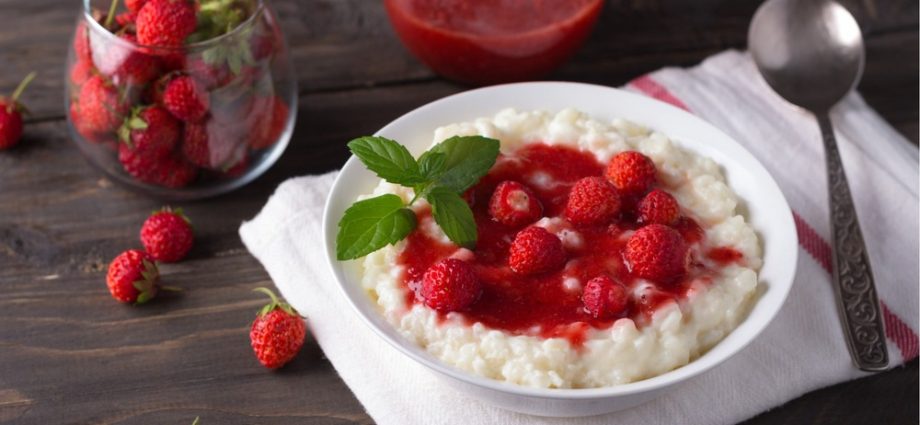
(542, 304)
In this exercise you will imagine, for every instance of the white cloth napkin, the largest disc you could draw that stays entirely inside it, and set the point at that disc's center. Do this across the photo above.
(802, 350)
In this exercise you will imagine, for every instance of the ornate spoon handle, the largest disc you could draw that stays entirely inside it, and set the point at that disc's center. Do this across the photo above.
(856, 297)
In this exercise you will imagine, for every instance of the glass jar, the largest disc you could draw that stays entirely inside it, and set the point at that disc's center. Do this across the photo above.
(182, 122)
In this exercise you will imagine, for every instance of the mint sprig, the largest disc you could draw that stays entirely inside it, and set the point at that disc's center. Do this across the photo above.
(439, 176)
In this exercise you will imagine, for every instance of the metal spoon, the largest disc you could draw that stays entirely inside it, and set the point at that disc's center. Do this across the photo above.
(811, 52)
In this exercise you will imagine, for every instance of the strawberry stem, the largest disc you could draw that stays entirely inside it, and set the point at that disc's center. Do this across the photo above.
(22, 86)
(268, 292)
(111, 15)
(170, 288)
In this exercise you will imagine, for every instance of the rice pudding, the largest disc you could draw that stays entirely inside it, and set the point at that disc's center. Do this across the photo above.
(606, 309)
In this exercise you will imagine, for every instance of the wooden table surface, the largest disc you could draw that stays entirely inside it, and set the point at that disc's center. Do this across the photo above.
(69, 354)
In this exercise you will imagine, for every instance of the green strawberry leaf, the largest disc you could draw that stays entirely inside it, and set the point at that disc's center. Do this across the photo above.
(388, 159)
(453, 215)
(466, 160)
(371, 224)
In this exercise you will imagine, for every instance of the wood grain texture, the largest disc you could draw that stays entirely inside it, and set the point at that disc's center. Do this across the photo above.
(71, 355)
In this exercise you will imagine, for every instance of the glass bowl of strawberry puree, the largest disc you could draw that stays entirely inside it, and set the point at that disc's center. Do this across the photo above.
(180, 114)
(483, 42)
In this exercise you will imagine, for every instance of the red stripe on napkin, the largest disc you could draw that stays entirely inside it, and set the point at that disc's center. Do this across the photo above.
(903, 336)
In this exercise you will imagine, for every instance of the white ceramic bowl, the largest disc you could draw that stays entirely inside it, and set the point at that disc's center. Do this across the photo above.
(760, 200)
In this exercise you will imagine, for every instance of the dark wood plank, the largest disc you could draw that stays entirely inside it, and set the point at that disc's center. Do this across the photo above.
(71, 355)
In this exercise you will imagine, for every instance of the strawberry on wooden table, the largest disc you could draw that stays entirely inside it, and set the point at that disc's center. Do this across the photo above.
(167, 235)
(11, 115)
(133, 277)
(277, 333)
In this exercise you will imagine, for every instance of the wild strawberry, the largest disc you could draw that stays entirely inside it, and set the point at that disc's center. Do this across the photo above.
(11, 115)
(174, 172)
(133, 66)
(132, 277)
(81, 71)
(659, 207)
(631, 173)
(450, 285)
(195, 144)
(262, 45)
(126, 19)
(514, 204)
(167, 235)
(135, 5)
(535, 250)
(168, 171)
(101, 109)
(604, 298)
(210, 75)
(271, 125)
(78, 123)
(592, 200)
(277, 333)
(150, 131)
(657, 252)
(186, 99)
(81, 47)
(165, 23)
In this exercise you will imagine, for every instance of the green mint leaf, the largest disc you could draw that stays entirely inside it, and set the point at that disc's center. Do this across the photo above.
(467, 159)
(453, 216)
(431, 163)
(371, 224)
(388, 159)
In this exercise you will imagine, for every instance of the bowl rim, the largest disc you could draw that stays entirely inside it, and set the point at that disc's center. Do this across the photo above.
(694, 368)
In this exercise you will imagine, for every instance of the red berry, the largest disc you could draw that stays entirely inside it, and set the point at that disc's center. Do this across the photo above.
(657, 252)
(175, 173)
(659, 207)
(450, 285)
(195, 144)
(277, 333)
(132, 66)
(535, 250)
(10, 124)
(167, 235)
(165, 22)
(168, 171)
(592, 200)
(132, 277)
(135, 5)
(186, 99)
(11, 115)
(81, 71)
(514, 204)
(150, 131)
(604, 298)
(210, 75)
(101, 110)
(126, 18)
(81, 47)
(631, 173)
(271, 123)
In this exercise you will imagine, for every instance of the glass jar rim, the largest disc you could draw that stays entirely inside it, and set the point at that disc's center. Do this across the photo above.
(200, 45)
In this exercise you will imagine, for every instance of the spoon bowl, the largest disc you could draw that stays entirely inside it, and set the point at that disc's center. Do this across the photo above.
(809, 51)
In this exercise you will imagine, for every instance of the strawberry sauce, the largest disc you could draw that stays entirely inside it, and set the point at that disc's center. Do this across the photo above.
(550, 305)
